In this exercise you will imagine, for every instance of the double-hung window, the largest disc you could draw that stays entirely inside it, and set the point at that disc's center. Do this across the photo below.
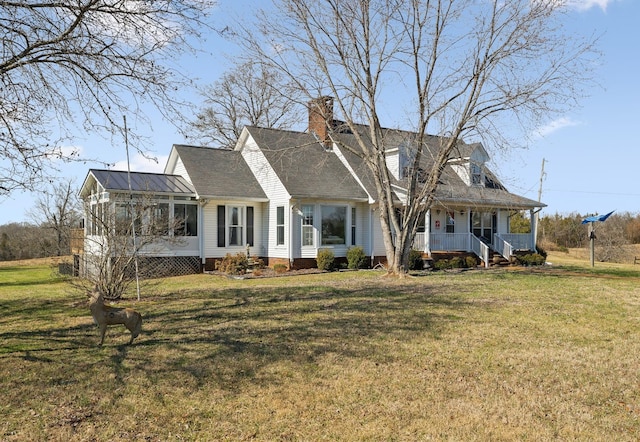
(353, 226)
(451, 222)
(235, 225)
(307, 225)
(280, 225)
(476, 174)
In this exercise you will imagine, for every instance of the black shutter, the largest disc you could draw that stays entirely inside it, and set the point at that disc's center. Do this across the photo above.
(221, 226)
(250, 226)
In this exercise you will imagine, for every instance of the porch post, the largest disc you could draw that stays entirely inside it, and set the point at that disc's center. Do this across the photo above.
(533, 219)
(427, 232)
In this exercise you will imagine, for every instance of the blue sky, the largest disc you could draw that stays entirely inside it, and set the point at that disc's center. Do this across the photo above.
(592, 154)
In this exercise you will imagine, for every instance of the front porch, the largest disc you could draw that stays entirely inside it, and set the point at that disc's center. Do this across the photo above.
(504, 244)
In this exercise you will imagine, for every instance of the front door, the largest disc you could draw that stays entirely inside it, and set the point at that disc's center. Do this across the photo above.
(483, 225)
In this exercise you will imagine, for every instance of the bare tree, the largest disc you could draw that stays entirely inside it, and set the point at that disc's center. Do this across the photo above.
(250, 94)
(124, 235)
(457, 69)
(82, 64)
(58, 210)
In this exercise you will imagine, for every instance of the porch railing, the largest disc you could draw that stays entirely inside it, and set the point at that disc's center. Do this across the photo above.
(450, 242)
(507, 243)
(479, 248)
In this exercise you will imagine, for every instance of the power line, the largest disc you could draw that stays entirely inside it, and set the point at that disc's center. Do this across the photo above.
(592, 192)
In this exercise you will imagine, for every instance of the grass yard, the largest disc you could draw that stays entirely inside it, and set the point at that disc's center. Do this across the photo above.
(546, 354)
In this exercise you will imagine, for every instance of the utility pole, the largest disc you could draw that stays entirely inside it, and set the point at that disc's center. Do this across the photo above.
(537, 213)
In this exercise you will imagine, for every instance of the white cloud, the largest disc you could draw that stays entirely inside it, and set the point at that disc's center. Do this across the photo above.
(143, 163)
(583, 5)
(554, 126)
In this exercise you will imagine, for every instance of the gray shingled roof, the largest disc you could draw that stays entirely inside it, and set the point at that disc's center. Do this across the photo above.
(117, 180)
(451, 190)
(219, 173)
(305, 168)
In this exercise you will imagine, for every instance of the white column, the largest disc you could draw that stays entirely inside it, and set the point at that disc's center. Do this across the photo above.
(427, 232)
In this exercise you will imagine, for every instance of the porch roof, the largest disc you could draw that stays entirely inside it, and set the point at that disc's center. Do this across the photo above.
(475, 196)
(141, 182)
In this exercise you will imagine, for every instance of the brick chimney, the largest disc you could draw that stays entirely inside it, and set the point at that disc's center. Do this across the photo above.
(321, 119)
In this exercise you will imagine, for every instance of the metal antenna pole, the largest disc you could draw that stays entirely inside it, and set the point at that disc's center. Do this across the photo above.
(133, 219)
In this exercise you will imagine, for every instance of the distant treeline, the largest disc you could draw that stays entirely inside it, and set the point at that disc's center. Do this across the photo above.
(26, 241)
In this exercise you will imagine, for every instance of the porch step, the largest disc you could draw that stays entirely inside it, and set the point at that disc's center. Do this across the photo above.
(495, 259)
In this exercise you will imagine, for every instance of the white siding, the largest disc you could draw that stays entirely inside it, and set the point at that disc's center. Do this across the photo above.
(463, 172)
(277, 194)
(179, 169)
(393, 162)
(378, 242)
(503, 221)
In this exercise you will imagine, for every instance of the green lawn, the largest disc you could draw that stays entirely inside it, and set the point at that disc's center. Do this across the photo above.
(528, 354)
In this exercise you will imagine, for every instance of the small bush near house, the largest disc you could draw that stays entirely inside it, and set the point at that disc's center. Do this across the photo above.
(453, 263)
(279, 268)
(415, 260)
(532, 259)
(233, 264)
(471, 262)
(356, 258)
(543, 252)
(325, 259)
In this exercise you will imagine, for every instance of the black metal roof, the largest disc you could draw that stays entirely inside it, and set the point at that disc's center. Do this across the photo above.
(117, 180)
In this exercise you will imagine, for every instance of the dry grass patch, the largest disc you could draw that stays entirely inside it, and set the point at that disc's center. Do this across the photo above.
(479, 355)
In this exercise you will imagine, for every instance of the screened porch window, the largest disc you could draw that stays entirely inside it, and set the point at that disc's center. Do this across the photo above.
(186, 219)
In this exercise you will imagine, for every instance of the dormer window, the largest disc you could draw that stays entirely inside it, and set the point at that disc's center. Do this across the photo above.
(476, 174)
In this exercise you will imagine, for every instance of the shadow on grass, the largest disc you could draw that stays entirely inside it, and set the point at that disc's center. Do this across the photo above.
(230, 336)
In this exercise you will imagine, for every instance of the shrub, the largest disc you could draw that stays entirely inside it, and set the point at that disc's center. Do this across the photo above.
(471, 262)
(233, 264)
(279, 268)
(356, 258)
(455, 263)
(325, 259)
(442, 264)
(542, 251)
(415, 260)
(532, 259)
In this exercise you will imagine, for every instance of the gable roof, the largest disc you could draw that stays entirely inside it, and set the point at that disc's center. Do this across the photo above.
(141, 182)
(451, 188)
(219, 173)
(305, 167)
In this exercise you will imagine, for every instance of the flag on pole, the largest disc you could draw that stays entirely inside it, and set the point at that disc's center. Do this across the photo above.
(595, 218)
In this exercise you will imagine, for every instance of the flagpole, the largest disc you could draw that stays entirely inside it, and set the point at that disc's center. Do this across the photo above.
(133, 218)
